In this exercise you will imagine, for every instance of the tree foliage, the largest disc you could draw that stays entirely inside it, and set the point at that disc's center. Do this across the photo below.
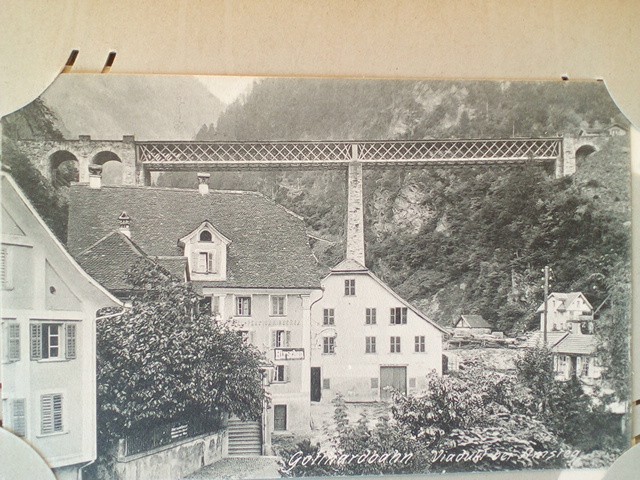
(163, 360)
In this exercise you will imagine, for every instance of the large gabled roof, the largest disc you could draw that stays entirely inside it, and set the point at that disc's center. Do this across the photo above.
(566, 300)
(269, 246)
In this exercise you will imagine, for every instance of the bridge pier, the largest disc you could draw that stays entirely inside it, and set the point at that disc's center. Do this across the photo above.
(355, 211)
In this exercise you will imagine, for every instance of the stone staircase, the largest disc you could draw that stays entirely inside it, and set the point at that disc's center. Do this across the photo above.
(245, 438)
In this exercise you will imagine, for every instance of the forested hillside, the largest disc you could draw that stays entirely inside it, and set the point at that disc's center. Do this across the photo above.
(451, 240)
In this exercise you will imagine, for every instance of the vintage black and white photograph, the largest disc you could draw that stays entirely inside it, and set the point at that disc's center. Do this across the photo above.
(238, 277)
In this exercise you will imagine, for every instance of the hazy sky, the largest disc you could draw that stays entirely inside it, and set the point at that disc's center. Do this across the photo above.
(227, 88)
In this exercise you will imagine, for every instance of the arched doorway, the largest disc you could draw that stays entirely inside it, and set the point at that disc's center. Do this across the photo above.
(111, 167)
(63, 167)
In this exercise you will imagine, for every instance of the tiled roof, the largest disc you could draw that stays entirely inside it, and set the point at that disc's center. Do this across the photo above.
(536, 339)
(576, 344)
(475, 321)
(174, 265)
(269, 246)
(109, 258)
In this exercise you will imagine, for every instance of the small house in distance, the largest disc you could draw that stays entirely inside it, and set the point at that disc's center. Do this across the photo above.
(567, 312)
(471, 324)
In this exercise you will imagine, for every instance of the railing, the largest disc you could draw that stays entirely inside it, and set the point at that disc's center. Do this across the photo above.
(182, 154)
(167, 434)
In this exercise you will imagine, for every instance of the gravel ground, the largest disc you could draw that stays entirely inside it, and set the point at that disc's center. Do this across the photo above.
(238, 468)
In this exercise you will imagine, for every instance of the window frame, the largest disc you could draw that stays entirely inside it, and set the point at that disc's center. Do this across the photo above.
(370, 345)
(350, 287)
(393, 315)
(272, 312)
(277, 378)
(239, 298)
(395, 344)
(371, 316)
(420, 344)
(12, 341)
(328, 345)
(280, 341)
(55, 430)
(286, 419)
(329, 316)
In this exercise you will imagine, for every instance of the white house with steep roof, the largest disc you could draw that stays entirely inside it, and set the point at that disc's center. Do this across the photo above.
(569, 312)
(48, 339)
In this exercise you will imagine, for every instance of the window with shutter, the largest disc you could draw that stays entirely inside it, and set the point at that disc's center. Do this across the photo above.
(18, 417)
(243, 306)
(287, 337)
(51, 413)
(370, 317)
(13, 341)
(70, 333)
(36, 341)
(6, 270)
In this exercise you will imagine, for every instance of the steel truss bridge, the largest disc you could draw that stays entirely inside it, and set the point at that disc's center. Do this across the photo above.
(192, 155)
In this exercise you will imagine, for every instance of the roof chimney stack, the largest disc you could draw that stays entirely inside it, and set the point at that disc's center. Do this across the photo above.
(125, 224)
(95, 176)
(203, 183)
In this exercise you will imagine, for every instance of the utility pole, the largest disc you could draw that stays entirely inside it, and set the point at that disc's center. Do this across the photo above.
(546, 297)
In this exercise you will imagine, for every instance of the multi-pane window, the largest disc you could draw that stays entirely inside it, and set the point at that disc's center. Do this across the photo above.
(329, 345)
(280, 338)
(398, 315)
(243, 306)
(370, 345)
(12, 346)
(350, 287)
(278, 305)
(328, 316)
(51, 413)
(420, 343)
(53, 340)
(245, 335)
(370, 316)
(280, 374)
(395, 345)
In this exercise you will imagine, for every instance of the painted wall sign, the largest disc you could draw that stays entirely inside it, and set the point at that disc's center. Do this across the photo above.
(289, 354)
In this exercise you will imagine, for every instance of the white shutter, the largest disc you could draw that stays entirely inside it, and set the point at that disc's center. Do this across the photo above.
(13, 342)
(46, 414)
(36, 341)
(19, 417)
(70, 338)
(51, 413)
(288, 338)
(252, 337)
(6, 269)
(286, 373)
(213, 265)
(194, 261)
(274, 338)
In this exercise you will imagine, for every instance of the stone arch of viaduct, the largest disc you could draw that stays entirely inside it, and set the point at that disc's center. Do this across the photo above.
(48, 154)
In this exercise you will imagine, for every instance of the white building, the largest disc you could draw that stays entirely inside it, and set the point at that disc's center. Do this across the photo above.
(48, 347)
(567, 312)
(365, 338)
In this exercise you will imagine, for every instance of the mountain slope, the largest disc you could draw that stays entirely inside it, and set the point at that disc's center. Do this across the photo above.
(149, 107)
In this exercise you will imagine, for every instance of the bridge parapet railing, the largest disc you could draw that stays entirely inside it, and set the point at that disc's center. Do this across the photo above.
(343, 152)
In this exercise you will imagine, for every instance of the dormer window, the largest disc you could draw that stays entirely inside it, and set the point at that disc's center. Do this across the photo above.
(206, 250)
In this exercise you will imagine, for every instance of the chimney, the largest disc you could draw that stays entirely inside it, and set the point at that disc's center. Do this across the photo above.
(203, 183)
(95, 176)
(355, 216)
(125, 223)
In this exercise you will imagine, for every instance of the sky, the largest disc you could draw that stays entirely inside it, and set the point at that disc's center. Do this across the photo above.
(227, 88)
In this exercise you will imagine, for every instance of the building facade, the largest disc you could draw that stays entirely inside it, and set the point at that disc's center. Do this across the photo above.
(366, 338)
(248, 257)
(48, 347)
(567, 312)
